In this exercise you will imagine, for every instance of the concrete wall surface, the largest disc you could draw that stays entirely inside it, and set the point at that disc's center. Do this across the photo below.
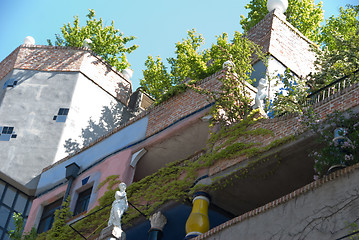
(56, 174)
(325, 212)
(93, 112)
(29, 107)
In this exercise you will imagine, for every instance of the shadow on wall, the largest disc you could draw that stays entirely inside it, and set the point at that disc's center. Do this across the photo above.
(111, 117)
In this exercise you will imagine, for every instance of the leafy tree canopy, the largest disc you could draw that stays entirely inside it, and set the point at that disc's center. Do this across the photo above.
(193, 63)
(340, 56)
(107, 41)
(305, 15)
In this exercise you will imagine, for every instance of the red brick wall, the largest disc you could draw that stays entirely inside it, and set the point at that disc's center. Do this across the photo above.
(289, 125)
(8, 63)
(64, 59)
(279, 38)
(107, 77)
(180, 106)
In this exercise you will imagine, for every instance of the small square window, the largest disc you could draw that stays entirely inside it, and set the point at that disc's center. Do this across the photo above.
(10, 83)
(6, 133)
(61, 115)
(63, 111)
(7, 130)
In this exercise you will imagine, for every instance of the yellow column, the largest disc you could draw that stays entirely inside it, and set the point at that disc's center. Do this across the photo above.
(198, 222)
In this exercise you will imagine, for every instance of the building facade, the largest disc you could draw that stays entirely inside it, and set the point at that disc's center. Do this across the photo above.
(275, 201)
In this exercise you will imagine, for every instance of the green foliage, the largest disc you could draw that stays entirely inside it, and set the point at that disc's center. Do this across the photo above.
(17, 233)
(156, 80)
(340, 56)
(344, 151)
(292, 97)
(107, 41)
(189, 63)
(192, 63)
(353, 229)
(305, 15)
(60, 230)
(172, 182)
(232, 101)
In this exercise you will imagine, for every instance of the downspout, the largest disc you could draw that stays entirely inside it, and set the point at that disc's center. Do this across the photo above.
(71, 173)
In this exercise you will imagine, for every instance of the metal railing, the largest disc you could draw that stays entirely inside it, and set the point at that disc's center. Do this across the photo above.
(333, 88)
(101, 209)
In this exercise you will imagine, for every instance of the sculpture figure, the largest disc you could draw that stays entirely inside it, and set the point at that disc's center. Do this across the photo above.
(261, 94)
(119, 206)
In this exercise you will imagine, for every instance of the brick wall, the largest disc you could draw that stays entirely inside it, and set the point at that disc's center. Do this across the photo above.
(8, 63)
(289, 125)
(279, 38)
(106, 77)
(67, 59)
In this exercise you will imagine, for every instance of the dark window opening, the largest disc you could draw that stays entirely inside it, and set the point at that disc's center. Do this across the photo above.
(83, 201)
(10, 83)
(48, 215)
(63, 111)
(7, 130)
(61, 115)
(6, 133)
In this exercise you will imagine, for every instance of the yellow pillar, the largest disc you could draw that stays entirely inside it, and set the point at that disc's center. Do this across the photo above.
(198, 222)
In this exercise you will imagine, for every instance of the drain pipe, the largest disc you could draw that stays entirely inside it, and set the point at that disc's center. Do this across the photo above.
(71, 173)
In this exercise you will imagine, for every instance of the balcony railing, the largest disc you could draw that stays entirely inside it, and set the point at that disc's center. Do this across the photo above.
(333, 88)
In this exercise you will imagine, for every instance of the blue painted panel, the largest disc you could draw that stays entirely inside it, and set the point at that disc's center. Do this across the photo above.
(125, 137)
(85, 180)
(61, 118)
(5, 137)
(176, 221)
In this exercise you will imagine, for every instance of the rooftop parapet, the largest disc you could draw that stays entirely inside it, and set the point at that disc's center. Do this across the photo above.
(68, 59)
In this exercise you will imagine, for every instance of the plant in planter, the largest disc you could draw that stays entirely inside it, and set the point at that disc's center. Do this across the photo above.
(339, 134)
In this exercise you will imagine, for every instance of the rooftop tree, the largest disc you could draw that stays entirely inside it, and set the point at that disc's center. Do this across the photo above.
(340, 55)
(191, 64)
(305, 15)
(107, 41)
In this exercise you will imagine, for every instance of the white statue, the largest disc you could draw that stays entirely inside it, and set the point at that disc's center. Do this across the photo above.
(228, 64)
(261, 94)
(119, 206)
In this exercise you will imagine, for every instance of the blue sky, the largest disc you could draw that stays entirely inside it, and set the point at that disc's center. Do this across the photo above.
(157, 24)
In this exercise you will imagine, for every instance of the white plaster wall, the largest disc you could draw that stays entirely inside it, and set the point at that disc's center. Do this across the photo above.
(125, 137)
(274, 68)
(30, 107)
(323, 213)
(87, 103)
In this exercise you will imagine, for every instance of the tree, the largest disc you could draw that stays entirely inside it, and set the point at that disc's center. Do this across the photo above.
(340, 55)
(305, 15)
(156, 80)
(192, 63)
(107, 41)
(189, 63)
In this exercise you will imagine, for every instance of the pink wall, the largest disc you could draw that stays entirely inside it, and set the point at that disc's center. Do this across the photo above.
(117, 164)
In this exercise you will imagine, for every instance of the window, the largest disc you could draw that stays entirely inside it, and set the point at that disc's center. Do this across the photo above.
(10, 83)
(83, 201)
(6, 133)
(11, 200)
(63, 111)
(61, 115)
(48, 216)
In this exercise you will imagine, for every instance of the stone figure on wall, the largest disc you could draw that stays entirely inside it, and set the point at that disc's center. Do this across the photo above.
(261, 94)
(119, 206)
